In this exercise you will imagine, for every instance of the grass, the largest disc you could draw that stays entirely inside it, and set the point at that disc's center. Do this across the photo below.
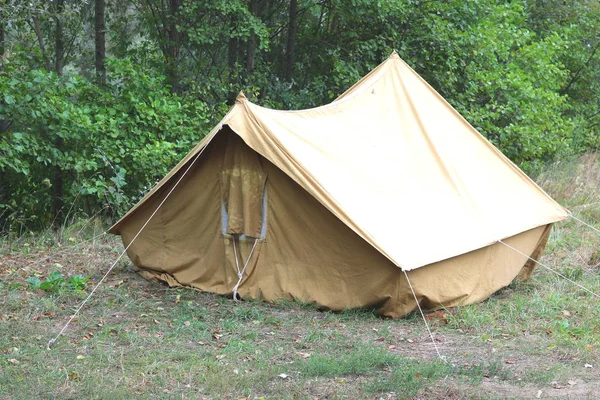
(137, 339)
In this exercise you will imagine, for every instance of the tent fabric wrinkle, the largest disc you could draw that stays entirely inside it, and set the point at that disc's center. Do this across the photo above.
(342, 199)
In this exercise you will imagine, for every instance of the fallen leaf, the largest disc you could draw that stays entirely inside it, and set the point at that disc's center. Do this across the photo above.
(303, 355)
(283, 376)
(156, 322)
(588, 366)
(380, 339)
(392, 346)
(13, 361)
(566, 313)
(539, 394)
(80, 357)
(220, 356)
(74, 376)
(438, 316)
(410, 340)
(201, 343)
(187, 323)
(177, 299)
(510, 361)
(555, 385)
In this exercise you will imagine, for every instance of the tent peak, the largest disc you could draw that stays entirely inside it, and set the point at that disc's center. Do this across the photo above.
(394, 54)
(240, 97)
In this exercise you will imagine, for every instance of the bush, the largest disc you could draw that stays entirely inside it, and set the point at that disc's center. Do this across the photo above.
(107, 145)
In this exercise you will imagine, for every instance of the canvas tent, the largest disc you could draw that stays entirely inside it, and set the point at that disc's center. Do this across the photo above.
(332, 204)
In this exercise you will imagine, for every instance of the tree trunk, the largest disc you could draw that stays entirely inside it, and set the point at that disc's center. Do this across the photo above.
(251, 41)
(291, 41)
(58, 68)
(59, 50)
(100, 41)
(38, 33)
(2, 27)
(172, 47)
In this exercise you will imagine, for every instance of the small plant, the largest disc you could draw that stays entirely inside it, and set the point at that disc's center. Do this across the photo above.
(78, 282)
(34, 282)
(56, 282)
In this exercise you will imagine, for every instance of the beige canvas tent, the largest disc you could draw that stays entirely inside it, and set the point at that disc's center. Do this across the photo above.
(330, 205)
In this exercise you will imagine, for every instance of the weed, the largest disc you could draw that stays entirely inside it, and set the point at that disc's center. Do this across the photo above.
(56, 282)
(408, 377)
(364, 359)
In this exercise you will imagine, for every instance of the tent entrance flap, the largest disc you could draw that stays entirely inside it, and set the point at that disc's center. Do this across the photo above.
(243, 190)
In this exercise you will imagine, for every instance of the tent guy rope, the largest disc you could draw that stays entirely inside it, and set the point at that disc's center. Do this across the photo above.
(52, 341)
(549, 269)
(584, 223)
(424, 319)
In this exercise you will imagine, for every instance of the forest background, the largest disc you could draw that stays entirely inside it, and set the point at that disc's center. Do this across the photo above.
(100, 98)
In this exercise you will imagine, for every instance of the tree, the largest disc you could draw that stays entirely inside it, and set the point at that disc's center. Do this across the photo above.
(100, 40)
(291, 41)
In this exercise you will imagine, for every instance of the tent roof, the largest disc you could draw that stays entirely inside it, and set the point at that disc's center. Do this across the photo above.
(398, 165)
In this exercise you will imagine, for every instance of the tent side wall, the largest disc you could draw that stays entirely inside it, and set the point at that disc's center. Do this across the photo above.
(306, 252)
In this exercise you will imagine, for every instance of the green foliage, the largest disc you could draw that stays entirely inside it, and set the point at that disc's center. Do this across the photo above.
(523, 73)
(34, 282)
(117, 140)
(56, 282)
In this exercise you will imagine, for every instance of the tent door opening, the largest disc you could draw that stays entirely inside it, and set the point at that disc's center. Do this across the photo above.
(243, 210)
